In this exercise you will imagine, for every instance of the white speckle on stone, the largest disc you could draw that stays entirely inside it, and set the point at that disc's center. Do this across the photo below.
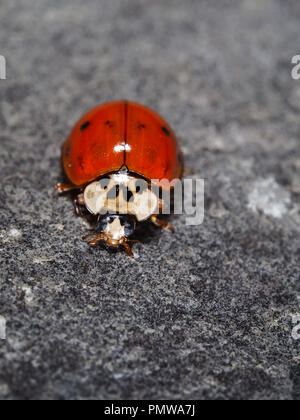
(136, 255)
(149, 331)
(42, 260)
(4, 389)
(60, 227)
(11, 235)
(118, 376)
(28, 294)
(269, 197)
(85, 223)
(185, 150)
(15, 233)
(217, 211)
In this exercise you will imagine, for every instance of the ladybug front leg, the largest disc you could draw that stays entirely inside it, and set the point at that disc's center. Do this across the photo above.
(96, 239)
(125, 243)
(128, 249)
(62, 188)
(162, 224)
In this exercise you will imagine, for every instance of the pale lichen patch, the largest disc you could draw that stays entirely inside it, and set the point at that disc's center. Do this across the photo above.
(11, 235)
(269, 197)
(15, 233)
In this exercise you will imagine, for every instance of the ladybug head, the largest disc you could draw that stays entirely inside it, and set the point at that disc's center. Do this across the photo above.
(118, 226)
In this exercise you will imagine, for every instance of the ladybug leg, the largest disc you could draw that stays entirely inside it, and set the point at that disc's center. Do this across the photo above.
(128, 249)
(162, 224)
(61, 188)
(79, 203)
(88, 236)
(125, 243)
(96, 238)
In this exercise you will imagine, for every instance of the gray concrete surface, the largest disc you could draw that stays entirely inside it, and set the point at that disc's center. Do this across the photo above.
(206, 313)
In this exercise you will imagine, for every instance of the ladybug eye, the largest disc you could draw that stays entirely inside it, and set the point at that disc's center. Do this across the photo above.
(113, 193)
(106, 220)
(129, 223)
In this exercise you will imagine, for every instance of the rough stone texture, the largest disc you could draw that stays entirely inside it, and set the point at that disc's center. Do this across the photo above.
(206, 313)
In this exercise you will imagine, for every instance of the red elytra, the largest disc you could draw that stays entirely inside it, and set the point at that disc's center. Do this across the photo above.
(121, 135)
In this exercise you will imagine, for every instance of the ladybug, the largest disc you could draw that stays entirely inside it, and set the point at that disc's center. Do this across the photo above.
(111, 156)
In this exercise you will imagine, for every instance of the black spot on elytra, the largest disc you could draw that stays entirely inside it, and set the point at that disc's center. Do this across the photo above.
(85, 125)
(109, 124)
(166, 131)
(141, 126)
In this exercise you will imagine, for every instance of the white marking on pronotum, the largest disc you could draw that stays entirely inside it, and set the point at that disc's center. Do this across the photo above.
(2, 67)
(122, 178)
(141, 205)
